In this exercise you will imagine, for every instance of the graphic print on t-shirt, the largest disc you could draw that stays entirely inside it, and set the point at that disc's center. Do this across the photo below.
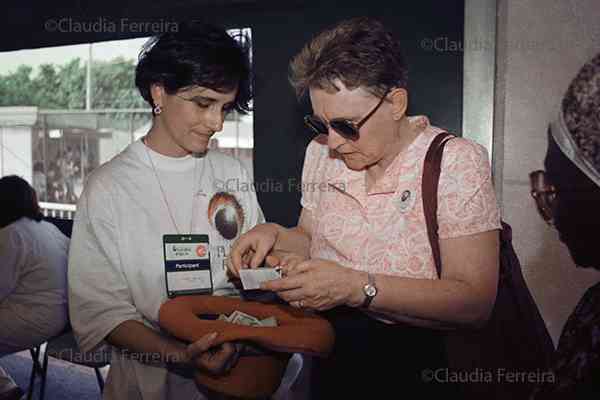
(226, 218)
(226, 215)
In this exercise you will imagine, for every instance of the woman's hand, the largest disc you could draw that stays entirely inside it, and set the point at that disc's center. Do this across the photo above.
(286, 260)
(217, 360)
(251, 249)
(206, 357)
(319, 285)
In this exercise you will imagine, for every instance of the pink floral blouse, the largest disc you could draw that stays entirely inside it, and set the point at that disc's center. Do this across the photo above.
(384, 230)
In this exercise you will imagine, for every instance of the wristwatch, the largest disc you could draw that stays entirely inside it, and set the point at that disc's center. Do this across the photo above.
(370, 291)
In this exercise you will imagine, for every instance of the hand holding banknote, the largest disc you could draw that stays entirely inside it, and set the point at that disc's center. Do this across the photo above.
(284, 264)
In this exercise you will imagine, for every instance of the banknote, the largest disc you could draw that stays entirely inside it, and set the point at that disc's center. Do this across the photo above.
(252, 278)
(241, 318)
(238, 317)
(271, 321)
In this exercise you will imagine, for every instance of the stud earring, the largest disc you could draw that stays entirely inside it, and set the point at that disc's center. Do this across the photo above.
(157, 110)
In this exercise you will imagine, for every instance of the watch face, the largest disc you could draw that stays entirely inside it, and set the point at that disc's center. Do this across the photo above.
(370, 290)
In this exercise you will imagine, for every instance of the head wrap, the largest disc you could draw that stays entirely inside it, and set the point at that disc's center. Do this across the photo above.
(577, 127)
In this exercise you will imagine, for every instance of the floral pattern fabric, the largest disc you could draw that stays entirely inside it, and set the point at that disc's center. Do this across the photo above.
(384, 230)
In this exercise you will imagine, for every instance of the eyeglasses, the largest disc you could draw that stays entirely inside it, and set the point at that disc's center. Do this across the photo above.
(544, 195)
(346, 128)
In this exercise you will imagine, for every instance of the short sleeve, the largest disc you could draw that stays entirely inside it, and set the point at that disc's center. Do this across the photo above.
(312, 173)
(467, 202)
(99, 295)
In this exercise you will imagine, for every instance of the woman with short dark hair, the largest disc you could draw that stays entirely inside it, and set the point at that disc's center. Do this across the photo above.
(33, 267)
(168, 184)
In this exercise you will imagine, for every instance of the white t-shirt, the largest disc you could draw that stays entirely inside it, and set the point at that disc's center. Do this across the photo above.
(116, 263)
(33, 283)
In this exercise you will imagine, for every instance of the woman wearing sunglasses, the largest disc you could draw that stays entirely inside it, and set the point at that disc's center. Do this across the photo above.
(361, 249)
(567, 195)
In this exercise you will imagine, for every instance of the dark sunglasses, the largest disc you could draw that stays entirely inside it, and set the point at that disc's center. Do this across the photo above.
(544, 195)
(344, 127)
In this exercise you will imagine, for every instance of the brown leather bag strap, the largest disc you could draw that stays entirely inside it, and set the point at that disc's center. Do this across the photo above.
(429, 192)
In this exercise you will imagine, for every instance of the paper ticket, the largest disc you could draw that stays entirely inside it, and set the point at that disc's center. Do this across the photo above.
(252, 278)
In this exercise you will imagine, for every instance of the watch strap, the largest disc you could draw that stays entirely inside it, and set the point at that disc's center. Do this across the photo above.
(368, 299)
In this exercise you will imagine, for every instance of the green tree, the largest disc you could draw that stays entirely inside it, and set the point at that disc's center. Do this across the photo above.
(16, 87)
(71, 91)
(63, 86)
(45, 86)
(113, 85)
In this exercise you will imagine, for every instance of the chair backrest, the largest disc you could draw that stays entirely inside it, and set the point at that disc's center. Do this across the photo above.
(64, 347)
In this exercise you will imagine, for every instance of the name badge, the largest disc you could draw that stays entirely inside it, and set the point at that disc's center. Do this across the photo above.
(187, 265)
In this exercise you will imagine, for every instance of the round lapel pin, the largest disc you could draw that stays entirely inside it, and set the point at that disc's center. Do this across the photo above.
(404, 202)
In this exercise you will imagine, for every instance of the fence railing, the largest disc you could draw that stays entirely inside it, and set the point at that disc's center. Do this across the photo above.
(58, 210)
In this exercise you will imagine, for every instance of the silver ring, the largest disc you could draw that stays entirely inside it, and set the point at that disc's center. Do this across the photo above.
(301, 304)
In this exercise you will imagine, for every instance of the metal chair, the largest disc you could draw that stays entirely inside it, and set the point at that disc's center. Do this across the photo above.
(36, 368)
(64, 347)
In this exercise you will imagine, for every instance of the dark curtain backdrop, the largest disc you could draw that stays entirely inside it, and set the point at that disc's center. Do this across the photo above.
(279, 29)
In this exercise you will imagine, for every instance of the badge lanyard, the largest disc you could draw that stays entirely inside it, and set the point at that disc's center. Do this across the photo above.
(164, 196)
(186, 257)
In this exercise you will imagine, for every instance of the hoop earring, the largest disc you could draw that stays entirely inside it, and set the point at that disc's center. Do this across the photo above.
(157, 110)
